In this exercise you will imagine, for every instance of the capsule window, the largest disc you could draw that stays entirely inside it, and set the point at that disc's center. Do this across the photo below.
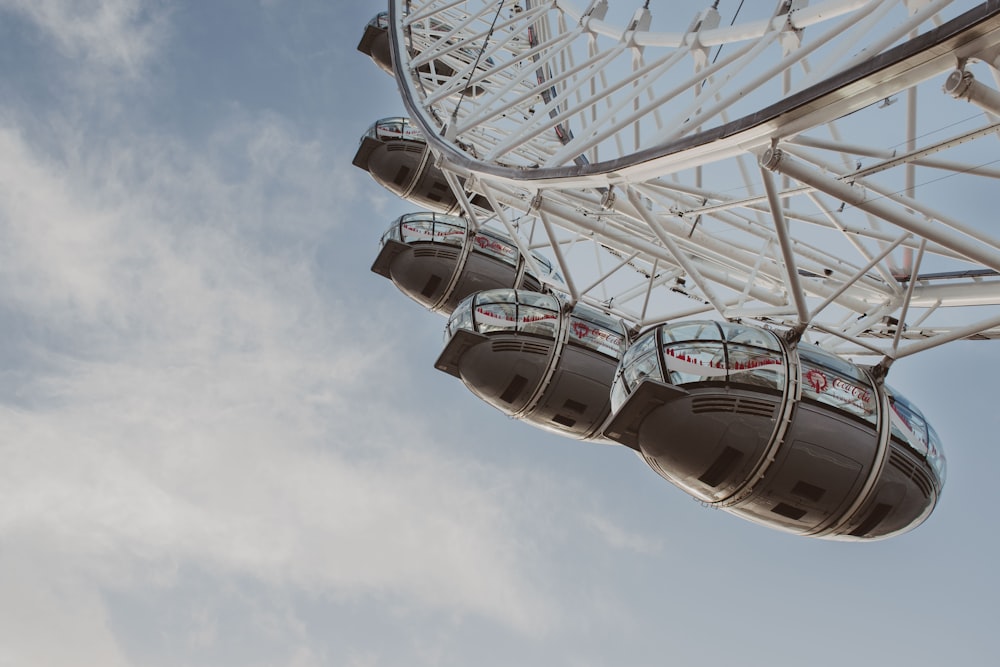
(618, 393)
(494, 246)
(545, 267)
(830, 380)
(507, 310)
(908, 425)
(695, 362)
(640, 369)
(756, 366)
(589, 334)
(460, 319)
(643, 345)
(638, 363)
(752, 336)
(691, 331)
(495, 317)
(428, 228)
(537, 321)
(389, 129)
(935, 454)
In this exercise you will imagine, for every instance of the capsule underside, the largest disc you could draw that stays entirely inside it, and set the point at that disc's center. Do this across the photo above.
(710, 442)
(545, 368)
(792, 463)
(375, 44)
(507, 370)
(426, 273)
(406, 168)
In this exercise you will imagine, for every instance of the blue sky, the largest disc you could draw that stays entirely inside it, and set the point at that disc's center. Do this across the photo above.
(224, 442)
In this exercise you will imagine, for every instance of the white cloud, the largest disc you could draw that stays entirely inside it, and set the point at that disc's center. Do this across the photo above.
(50, 616)
(195, 400)
(619, 537)
(116, 34)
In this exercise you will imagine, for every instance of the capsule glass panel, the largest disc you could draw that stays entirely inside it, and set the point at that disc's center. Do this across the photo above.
(908, 423)
(428, 228)
(638, 363)
(828, 379)
(935, 454)
(593, 329)
(507, 310)
(754, 357)
(496, 246)
(394, 129)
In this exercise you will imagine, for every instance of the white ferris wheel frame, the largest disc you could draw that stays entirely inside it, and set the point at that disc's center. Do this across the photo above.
(597, 143)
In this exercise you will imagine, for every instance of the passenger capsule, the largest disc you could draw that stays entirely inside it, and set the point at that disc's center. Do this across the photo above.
(792, 437)
(437, 260)
(375, 42)
(534, 358)
(394, 152)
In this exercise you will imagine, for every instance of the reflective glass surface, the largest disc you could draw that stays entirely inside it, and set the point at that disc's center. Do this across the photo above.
(756, 366)
(507, 310)
(537, 314)
(695, 362)
(496, 246)
(703, 351)
(461, 318)
(691, 331)
(638, 363)
(427, 227)
(754, 336)
(545, 267)
(908, 424)
(828, 379)
(396, 127)
(935, 454)
(910, 427)
(593, 329)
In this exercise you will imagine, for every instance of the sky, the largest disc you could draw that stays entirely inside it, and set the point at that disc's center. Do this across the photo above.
(223, 440)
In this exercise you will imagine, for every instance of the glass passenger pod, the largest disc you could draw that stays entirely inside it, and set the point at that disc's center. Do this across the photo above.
(438, 260)
(375, 42)
(700, 401)
(396, 155)
(712, 408)
(534, 358)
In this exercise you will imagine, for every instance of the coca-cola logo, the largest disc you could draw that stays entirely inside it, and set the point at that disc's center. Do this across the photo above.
(817, 380)
(862, 396)
(492, 245)
(582, 330)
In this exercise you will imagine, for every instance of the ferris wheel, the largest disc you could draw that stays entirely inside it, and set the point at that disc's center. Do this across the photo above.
(815, 174)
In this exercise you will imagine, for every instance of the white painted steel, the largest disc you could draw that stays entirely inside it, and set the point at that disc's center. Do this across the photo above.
(620, 138)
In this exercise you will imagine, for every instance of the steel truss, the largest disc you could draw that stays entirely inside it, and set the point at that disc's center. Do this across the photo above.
(828, 168)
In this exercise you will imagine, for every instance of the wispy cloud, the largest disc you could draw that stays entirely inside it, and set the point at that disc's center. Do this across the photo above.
(618, 537)
(190, 397)
(116, 34)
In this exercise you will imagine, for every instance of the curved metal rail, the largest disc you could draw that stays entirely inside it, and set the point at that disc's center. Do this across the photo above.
(849, 198)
